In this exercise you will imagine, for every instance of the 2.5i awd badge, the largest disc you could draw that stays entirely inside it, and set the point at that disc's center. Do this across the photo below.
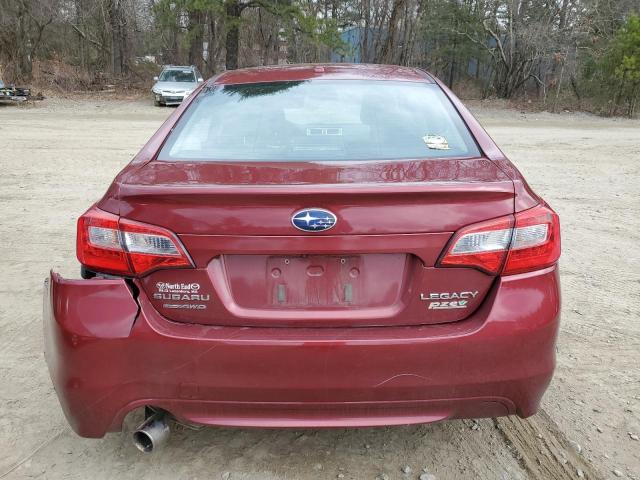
(448, 300)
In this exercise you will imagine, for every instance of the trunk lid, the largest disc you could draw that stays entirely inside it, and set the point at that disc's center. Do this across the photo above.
(374, 267)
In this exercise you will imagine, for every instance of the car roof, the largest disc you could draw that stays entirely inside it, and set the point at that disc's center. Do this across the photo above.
(334, 71)
(179, 67)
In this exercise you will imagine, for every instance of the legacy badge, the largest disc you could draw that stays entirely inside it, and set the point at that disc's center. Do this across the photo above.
(448, 300)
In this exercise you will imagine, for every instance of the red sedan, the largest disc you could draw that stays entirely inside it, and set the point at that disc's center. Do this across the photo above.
(309, 246)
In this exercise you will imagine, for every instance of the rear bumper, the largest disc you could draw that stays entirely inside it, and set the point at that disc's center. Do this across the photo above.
(109, 353)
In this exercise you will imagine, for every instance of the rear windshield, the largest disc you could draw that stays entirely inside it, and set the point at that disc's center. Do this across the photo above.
(177, 76)
(319, 120)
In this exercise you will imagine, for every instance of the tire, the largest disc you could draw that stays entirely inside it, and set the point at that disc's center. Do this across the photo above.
(156, 103)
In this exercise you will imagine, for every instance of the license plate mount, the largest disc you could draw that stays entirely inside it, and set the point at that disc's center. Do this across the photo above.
(300, 281)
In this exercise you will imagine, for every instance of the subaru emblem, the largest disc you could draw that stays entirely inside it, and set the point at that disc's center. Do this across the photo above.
(313, 220)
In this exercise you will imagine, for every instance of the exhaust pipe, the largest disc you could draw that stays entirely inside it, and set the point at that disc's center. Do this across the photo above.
(153, 433)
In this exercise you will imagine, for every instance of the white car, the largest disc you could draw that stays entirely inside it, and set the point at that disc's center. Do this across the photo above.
(174, 84)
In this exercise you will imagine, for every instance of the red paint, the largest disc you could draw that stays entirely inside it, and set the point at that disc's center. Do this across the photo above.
(497, 361)
(329, 71)
(310, 329)
(244, 294)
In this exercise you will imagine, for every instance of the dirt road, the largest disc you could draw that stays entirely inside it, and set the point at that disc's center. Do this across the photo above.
(56, 158)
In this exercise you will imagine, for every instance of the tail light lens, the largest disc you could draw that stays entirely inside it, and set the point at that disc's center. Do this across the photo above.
(482, 245)
(528, 241)
(536, 241)
(98, 243)
(109, 244)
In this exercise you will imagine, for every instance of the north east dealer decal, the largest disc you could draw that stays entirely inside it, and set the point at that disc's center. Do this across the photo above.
(181, 292)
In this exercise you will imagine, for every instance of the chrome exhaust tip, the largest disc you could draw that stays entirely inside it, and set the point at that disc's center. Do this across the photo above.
(152, 434)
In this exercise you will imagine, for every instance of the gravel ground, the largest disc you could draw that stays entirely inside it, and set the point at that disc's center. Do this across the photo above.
(58, 157)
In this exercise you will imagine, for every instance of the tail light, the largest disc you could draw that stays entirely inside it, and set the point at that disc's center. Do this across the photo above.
(528, 241)
(536, 241)
(109, 244)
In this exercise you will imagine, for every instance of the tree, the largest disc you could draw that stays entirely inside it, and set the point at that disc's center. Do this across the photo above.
(119, 38)
(22, 26)
(286, 18)
(507, 48)
(621, 67)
